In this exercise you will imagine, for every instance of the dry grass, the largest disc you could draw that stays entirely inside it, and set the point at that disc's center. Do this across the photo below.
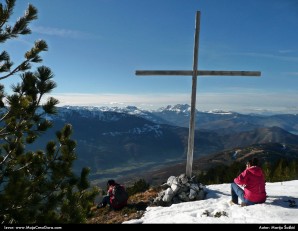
(135, 209)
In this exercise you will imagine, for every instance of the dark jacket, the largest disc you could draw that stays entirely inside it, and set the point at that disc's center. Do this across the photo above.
(113, 202)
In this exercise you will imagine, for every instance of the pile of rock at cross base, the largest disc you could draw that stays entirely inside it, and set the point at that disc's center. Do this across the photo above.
(180, 189)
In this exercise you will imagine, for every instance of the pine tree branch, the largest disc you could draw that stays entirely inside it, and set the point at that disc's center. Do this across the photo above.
(7, 12)
(17, 69)
(22, 167)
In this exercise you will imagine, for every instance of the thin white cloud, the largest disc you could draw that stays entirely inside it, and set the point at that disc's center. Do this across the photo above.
(64, 33)
(149, 100)
(271, 56)
(292, 73)
(282, 55)
(286, 51)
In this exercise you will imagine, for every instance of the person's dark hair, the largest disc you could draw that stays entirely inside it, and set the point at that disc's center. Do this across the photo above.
(110, 182)
(254, 162)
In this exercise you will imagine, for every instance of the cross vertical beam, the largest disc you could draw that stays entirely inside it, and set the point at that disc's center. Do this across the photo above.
(191, 134)
(194, 73)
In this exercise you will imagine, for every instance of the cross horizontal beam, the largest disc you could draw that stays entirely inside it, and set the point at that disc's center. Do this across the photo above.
(202, 73)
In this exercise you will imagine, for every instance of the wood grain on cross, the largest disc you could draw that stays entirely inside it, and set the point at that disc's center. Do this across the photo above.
(194, 73)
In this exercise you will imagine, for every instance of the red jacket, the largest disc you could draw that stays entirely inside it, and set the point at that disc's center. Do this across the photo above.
(253, 181)
(113, 201)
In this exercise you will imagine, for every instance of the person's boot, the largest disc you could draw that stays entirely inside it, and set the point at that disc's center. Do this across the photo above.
(232, 203)
(101, 205)
(243, 204)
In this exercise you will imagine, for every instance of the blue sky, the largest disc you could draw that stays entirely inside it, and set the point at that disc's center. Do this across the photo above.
(95, 47)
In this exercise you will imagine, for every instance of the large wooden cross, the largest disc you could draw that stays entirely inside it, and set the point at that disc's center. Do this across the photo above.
(194, 73)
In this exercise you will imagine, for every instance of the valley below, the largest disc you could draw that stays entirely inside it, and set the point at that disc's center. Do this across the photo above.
(130, 143)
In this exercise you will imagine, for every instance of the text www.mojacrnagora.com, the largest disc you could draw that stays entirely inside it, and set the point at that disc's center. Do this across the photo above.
(32, 227)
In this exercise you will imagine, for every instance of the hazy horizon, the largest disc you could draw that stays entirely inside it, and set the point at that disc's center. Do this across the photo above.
(149, 104)
(205, 102)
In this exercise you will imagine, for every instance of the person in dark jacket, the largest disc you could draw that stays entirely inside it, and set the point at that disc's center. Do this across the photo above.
(110, 199)
(253, 181)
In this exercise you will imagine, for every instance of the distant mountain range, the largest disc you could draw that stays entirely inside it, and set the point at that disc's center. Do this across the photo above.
(118, 141)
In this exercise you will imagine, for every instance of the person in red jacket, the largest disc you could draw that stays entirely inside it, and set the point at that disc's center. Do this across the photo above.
(253, 181)
(110, 198)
